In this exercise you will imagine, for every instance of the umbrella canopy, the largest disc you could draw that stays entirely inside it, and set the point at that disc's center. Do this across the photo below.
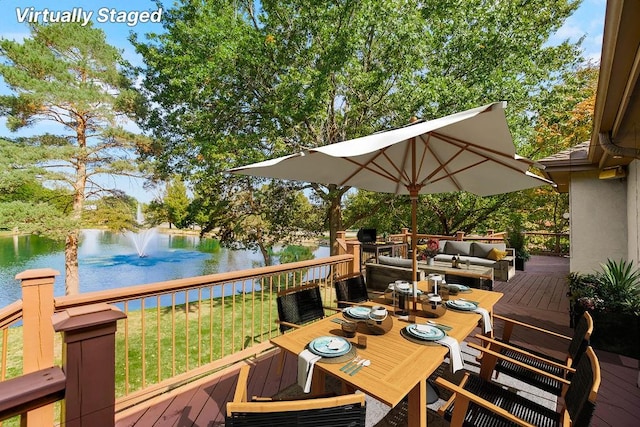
(467, 151)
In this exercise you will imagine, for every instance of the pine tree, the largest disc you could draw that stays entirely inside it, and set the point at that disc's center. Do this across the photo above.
(67, 74)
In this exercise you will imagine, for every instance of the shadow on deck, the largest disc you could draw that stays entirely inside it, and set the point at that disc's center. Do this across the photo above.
(536, 296)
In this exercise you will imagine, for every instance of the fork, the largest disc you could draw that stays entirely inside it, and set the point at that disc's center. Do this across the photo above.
(439, 325)
(350, 364)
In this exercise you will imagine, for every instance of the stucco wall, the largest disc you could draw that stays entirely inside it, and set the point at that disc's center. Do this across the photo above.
(598, 210)
(633, 212)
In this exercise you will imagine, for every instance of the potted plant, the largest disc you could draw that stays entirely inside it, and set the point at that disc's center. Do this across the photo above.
(517, 240)
(612, 297)
(428, 250)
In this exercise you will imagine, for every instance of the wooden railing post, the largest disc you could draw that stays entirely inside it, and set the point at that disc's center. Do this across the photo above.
(37, 332)
(350, 247)
(406, 234)
(353, 248)
(89, 364)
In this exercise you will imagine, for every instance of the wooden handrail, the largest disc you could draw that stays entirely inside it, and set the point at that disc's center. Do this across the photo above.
(31, 391)
(171, 286)
(10, 314)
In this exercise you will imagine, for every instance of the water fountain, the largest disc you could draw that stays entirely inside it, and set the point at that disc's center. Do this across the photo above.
(142, 236)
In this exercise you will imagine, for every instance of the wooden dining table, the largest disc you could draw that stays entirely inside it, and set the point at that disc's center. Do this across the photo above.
(399, 366)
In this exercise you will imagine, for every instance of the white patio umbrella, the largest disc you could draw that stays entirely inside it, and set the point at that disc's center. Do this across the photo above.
(467, 151)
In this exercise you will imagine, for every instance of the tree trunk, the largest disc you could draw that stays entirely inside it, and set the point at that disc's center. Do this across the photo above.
(335, 221)
(72, 279)
(266, 255)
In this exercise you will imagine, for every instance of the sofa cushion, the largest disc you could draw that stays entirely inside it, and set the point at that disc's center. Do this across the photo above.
(455, 247)
(395, 261)
(482, 249)
(496, 254)
(485, 262)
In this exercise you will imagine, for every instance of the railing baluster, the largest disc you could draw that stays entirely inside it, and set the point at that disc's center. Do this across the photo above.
(158, 339)
(173, 334)
(126, 348)
(143, 343)
(199, 326)
(211, 289)
(186, 323)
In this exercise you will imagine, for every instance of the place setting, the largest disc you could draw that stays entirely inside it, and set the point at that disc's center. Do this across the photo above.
(431, 334)
(325, 349)
(462, 289)
(472, 306)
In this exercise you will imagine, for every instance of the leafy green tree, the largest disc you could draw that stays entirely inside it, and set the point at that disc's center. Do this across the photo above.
(176, 202)
(67, 74)
(232, 84)
(116, 211)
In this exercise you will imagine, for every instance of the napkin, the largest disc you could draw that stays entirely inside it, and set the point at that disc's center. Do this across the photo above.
(455, 354)
(486, 319)
(306, 360)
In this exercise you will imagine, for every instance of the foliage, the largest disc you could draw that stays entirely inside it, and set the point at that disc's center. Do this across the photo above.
(615, 289)
(176, 203)
(295, 253)
(231, 84)
(68, 75)
(516, 238)
(115, 212)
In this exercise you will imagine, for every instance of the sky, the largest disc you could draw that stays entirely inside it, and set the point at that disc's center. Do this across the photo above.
(587, 21)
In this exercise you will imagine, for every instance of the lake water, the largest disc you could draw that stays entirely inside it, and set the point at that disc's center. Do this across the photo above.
(110, 260)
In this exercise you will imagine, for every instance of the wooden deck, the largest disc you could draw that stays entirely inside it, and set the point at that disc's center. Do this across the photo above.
(536, 296)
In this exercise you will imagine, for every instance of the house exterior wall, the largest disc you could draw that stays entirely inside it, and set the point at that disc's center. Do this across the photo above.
(633, 212)
(598, 222)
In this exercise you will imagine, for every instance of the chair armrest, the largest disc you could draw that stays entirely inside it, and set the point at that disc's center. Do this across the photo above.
(464, 397)
(511, 322)
(521, 364)
(241, 387)
(292, 325)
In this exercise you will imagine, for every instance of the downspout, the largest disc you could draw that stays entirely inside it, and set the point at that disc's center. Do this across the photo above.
(614, 150)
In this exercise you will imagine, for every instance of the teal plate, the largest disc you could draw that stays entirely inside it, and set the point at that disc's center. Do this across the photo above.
(425, 332)
(330, 346)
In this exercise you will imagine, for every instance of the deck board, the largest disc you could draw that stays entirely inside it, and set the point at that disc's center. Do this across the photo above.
(536, 296)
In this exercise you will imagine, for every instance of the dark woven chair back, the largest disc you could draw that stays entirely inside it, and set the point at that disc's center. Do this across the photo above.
(581, 338)
(347, 410)
(580, 399)
(299, 305)
(351, 415)
(352, 289)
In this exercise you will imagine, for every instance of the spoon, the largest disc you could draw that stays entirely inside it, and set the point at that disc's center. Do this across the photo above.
(365, 362)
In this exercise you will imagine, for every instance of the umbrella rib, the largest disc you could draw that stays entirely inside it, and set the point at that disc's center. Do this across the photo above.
(443, 166)
(480, 150)
(450, 175)
(362, 166)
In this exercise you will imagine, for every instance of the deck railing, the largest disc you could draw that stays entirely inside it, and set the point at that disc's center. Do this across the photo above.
(538, 242)
(174, 331)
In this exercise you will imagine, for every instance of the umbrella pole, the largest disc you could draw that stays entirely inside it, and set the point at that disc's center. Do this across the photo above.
(414, 239)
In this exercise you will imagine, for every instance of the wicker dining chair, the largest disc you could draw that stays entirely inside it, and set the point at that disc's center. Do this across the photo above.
(299, 305)
(577, 346)
(476, 402)
(340, 411)
(351, 290)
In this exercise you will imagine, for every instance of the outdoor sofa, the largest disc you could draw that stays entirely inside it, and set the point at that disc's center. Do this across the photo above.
(495, 255)
(389, 269)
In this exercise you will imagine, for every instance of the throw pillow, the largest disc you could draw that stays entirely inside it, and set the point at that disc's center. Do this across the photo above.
(496, 254)
(481, 250)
